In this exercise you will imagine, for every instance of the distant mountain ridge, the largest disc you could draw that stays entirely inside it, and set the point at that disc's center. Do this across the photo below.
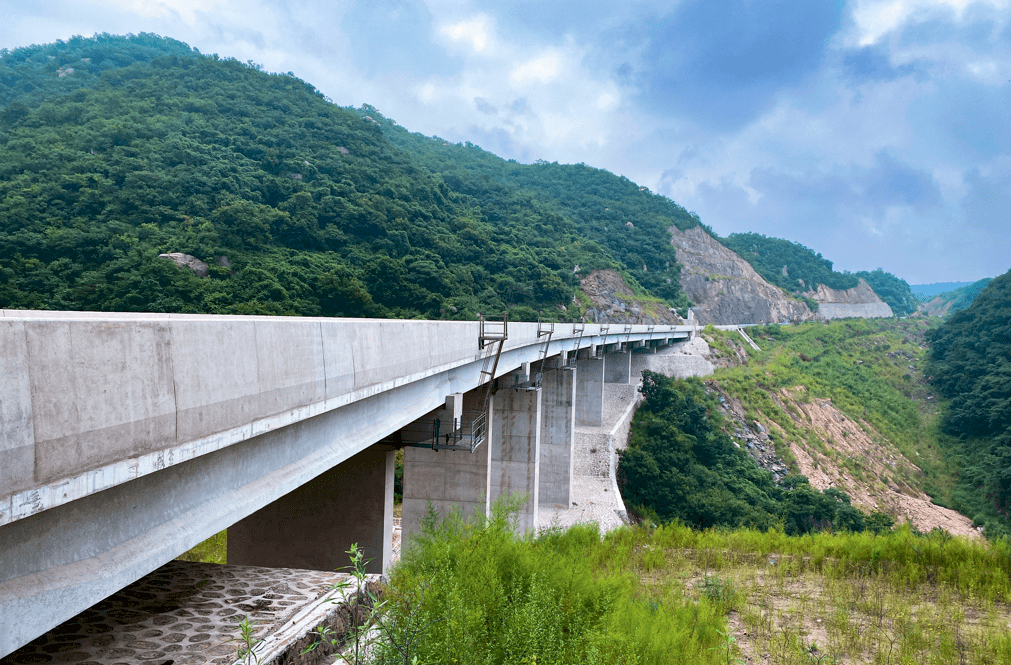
(955, 300)
(925, 292)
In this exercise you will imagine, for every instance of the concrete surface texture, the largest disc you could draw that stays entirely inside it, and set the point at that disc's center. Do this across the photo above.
(594, 491)
(515, 425)
(128, 439)
(589, 391)
(558, 425)
(445, 479)
(618, 367)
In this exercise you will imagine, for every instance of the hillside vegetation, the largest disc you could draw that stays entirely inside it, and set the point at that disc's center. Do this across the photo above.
(114, 150)
(955, 300)
(476, 592)
(970, 364)
(846, 404)
(797, 269)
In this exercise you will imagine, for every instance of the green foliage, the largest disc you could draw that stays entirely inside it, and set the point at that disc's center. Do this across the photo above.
(963, 296)
(805, 269)
(892, 290)
(491, 596)
(148, 147)
(606, 211)
(680, 466)
(970, 364)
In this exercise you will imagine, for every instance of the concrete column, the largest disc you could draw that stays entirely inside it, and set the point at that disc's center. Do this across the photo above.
(558, 426)
(446, 478)
(589, 392)
(313, 526)
(515, 423)
(618, 367)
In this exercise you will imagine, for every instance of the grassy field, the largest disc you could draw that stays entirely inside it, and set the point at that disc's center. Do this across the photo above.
(676, 595)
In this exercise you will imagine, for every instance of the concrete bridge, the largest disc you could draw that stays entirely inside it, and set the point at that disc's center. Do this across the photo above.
(129, 438)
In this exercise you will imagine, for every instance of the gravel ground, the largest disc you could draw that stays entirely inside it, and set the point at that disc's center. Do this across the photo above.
(594, 499)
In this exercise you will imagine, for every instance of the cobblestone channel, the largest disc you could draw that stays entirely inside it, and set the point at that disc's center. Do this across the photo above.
(181, 614)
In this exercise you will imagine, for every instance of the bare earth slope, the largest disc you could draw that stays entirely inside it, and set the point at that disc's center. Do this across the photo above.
(611, 300)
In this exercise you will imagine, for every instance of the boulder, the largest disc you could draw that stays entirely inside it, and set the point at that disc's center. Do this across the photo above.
(181, 260)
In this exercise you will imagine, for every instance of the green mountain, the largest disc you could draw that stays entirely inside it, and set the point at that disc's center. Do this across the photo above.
(797, 269)
(971, 365)
(955, 300)
(927, 291)
(114, 150)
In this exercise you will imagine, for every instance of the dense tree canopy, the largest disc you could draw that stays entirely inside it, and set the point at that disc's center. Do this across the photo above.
(971, 364)
(116, 149)
(681, 465)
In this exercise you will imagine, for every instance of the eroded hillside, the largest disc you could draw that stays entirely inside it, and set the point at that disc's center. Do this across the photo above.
(847, 406)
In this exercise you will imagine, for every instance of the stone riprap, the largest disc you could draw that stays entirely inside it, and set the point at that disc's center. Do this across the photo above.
(183, 613)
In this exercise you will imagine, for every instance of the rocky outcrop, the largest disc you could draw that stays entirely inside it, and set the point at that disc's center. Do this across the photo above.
(860, 301)
(612, 301)
(198, 267)
(725, 288)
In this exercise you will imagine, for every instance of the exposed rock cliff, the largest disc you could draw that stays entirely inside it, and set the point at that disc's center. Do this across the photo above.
(724, 287)
(860, 301)
(612, 301)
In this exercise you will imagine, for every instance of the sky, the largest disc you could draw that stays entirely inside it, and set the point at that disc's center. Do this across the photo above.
(876, 132)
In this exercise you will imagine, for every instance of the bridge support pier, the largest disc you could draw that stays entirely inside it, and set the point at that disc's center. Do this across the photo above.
(558, 428)
(515, 425)
(446, 478)
(618, 367)
(589, 391)
(313, 526)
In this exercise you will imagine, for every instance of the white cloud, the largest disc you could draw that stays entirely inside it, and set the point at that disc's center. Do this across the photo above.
(543, 69)
(874, 19)
(185, 9)
(474, 31)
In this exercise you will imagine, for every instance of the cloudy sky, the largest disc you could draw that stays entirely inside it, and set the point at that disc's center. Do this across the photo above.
(877, 132)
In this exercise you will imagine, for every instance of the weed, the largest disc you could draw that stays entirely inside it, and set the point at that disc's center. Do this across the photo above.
(247, 640)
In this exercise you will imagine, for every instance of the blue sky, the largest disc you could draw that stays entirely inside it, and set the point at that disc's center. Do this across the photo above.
(877, 132)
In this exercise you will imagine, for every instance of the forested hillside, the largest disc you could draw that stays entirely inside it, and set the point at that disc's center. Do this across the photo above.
(971, 365)
(114, 150)
(797, 269)
(955, 300)
(628, 220)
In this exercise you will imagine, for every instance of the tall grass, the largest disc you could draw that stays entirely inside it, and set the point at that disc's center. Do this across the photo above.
(487, 595)
(475, 592)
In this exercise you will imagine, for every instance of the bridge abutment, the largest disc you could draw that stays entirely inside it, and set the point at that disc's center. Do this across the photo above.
(313, 526)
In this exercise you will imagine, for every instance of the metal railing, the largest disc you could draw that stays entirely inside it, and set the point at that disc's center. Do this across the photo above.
(464, 435)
